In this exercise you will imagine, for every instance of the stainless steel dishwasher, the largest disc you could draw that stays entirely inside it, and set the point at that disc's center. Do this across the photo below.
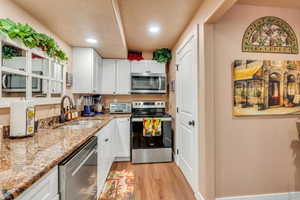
(78, 173)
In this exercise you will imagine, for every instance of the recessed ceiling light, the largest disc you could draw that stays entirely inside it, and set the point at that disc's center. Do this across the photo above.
(91, 40)
(154, 29)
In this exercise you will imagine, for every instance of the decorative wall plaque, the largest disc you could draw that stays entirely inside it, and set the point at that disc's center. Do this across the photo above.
(270, 35)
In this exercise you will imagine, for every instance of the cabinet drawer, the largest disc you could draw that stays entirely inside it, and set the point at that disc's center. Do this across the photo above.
(45, 189)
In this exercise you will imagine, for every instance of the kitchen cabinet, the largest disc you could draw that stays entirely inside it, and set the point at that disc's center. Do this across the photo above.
(106, 153)
(123, 71)
(122, 141)
(44, 189)
(86, 69)
(116, 76)
(147, 66)
(108, 76)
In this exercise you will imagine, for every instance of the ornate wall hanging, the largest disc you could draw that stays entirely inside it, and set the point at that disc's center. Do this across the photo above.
(270, 35)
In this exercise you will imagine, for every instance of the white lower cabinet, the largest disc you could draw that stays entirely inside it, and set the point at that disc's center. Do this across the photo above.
(115, 134)
(105, 153)
(122, 141)
(44, 189)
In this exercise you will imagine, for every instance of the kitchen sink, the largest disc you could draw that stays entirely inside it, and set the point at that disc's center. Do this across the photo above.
(80, 124)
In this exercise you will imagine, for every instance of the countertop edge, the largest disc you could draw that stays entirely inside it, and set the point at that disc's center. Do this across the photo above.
(8, 195)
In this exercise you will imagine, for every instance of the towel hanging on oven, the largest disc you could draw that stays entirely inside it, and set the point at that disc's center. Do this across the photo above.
(151, 127)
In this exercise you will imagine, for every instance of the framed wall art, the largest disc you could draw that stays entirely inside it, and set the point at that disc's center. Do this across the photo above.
(270, 35)
(266, 87)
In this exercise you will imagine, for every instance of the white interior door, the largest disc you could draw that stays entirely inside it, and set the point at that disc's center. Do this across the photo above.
(186, 118)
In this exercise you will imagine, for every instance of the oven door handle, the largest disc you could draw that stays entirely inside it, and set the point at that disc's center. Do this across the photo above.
(165, 119)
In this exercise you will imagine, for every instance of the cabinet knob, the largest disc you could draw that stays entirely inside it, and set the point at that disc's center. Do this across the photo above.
(106, 140)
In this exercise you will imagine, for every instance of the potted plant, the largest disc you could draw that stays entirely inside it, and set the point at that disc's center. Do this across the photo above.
(163, 55)
(31, 38)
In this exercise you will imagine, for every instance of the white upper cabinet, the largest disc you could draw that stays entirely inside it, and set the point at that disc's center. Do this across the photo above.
(108, 76)
(140, 67)
(123, 76)
(99, 74)
(147, 66)
(116, 76)
(156, 67)
(86, 70)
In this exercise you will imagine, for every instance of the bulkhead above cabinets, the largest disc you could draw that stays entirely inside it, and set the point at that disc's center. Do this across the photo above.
(94, 75)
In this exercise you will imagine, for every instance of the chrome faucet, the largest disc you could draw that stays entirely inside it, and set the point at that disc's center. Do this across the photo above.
(62, 109)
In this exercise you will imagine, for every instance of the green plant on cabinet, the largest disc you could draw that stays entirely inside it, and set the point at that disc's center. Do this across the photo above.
(163, 55)
(31, 39)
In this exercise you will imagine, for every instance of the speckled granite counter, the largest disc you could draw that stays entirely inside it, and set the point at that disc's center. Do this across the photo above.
(24, 161)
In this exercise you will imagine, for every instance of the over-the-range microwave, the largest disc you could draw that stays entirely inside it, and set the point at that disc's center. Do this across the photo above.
(148, 83)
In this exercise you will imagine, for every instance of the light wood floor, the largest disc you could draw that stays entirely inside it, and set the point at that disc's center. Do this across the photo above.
(163, 181)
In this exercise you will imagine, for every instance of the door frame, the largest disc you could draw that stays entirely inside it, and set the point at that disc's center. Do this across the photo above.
(194, 33)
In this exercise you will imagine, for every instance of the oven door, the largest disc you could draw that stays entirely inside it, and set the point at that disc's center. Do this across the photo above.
(148, 83)
(141, 142)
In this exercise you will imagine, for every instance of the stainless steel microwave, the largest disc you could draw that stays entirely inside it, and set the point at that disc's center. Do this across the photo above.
(148, 83)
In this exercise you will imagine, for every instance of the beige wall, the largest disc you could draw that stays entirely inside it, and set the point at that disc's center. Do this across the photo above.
(9, 10)
(256, 155)
(205, 84)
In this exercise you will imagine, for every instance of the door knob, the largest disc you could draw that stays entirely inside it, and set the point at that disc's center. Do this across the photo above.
(192, 123)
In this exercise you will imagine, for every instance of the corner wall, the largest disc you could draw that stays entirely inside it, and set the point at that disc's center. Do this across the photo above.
(206, 114)
(254, 155)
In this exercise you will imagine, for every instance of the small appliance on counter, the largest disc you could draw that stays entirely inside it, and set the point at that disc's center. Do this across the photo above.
(120, 108)
(88, 106)
(98, 108)
(22, 118)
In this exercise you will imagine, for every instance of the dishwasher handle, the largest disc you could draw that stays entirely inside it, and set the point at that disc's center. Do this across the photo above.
(84, 161)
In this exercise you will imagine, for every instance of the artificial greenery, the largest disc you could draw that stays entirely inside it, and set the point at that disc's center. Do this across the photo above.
(31, 38)
(10, 52)
(162, 55)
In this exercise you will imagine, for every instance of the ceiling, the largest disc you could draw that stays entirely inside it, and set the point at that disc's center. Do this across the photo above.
(171, 15)
(272, 3)
(76, 20)
(118, 25)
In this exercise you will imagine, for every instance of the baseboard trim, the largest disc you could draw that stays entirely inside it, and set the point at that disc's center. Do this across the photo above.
(199, 196)
(275, 196)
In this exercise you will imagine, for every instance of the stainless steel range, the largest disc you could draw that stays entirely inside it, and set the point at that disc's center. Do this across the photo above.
(151, 133)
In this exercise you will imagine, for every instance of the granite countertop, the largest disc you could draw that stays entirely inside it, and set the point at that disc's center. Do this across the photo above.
(24, 161)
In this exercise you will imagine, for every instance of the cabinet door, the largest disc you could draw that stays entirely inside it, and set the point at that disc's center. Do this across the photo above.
(95, 71)
(123, 138)
(101, 161)
(156, 67)
(99, 75)
(140, 67)
(123, 77)
(45, 189)
(83, 70)
(111, 135)
(109, 76)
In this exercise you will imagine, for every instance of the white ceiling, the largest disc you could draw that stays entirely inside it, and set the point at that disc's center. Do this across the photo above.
(76, 20)
(272, 3)
(171, 15)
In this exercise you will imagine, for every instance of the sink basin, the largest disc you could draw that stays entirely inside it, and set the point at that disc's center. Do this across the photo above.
(80, 124)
